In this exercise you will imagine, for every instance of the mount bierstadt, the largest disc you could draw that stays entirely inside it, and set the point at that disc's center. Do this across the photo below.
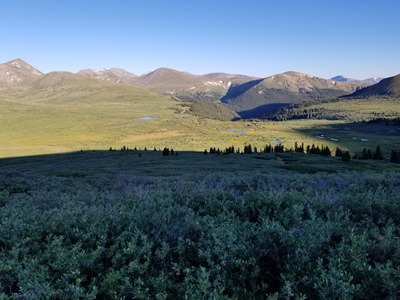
(249, 97)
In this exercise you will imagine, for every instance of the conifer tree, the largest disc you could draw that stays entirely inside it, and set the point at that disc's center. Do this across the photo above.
(395, 157)
(165, 151)
(205, 151)
(364, 154)
(312, 150)
(378, 153)
(346, 156)
(338, 152)
(369, 154)
(317, 150)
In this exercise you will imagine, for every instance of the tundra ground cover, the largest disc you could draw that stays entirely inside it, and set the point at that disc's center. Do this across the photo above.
(219, 235)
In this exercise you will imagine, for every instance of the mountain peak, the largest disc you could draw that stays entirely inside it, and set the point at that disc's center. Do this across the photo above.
(110, 74)
(18, 71)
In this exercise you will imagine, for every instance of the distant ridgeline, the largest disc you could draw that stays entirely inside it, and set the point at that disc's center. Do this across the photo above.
(345, 155)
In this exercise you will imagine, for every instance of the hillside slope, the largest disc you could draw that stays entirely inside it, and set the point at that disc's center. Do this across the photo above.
(386, 87)
(256, 97)
(18, 72)
(68, 88)
(187, 86)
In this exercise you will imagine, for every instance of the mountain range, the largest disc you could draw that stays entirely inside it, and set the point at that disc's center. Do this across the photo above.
(364, 82)
(248, 96)
(111, 74)
(261, 96)
(386, 87)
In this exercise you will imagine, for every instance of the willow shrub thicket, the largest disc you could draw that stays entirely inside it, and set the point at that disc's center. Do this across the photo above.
(219, 236)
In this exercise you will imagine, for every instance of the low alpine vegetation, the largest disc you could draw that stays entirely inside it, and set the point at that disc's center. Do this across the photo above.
(215, 236)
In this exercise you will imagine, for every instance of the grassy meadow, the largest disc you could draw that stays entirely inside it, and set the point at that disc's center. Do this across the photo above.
(43, 127)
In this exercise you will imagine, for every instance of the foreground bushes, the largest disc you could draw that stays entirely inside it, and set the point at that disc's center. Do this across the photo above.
(246, 236)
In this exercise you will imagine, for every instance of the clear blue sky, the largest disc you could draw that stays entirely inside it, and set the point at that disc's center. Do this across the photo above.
(354, 38)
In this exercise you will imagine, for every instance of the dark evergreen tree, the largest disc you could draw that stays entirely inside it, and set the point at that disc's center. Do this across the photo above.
(327, 151)
(395, 157)
(369, 154)
(346, 156)
(205, 151)
(172, 151)
(165, 151)
(378, 153)
(338, 152)
(111, 149)
(364, 154)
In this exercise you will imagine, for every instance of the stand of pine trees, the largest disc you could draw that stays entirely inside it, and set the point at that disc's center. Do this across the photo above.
(366, 154)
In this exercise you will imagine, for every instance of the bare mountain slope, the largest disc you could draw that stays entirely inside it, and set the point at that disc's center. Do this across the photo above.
(228, 76)
(186, 86)
(18, 72)
(111, 74)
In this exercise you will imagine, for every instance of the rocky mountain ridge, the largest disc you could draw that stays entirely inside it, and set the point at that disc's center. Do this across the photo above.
(18, 71)
(367, 81)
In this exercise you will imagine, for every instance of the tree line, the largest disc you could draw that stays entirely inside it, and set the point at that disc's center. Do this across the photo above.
(366, 154)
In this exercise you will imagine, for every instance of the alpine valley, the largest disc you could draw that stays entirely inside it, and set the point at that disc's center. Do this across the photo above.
(95, 109)
(171, 185)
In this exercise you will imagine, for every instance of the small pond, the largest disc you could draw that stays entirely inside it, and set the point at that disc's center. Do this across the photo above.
(146, 118)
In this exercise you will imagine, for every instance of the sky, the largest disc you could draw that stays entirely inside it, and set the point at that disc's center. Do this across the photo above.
(355, 38)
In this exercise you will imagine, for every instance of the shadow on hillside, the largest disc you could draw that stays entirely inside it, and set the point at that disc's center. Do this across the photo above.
(137, 162)
(237, 90)
(260, 110)
(90, 164)
(357, 135)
